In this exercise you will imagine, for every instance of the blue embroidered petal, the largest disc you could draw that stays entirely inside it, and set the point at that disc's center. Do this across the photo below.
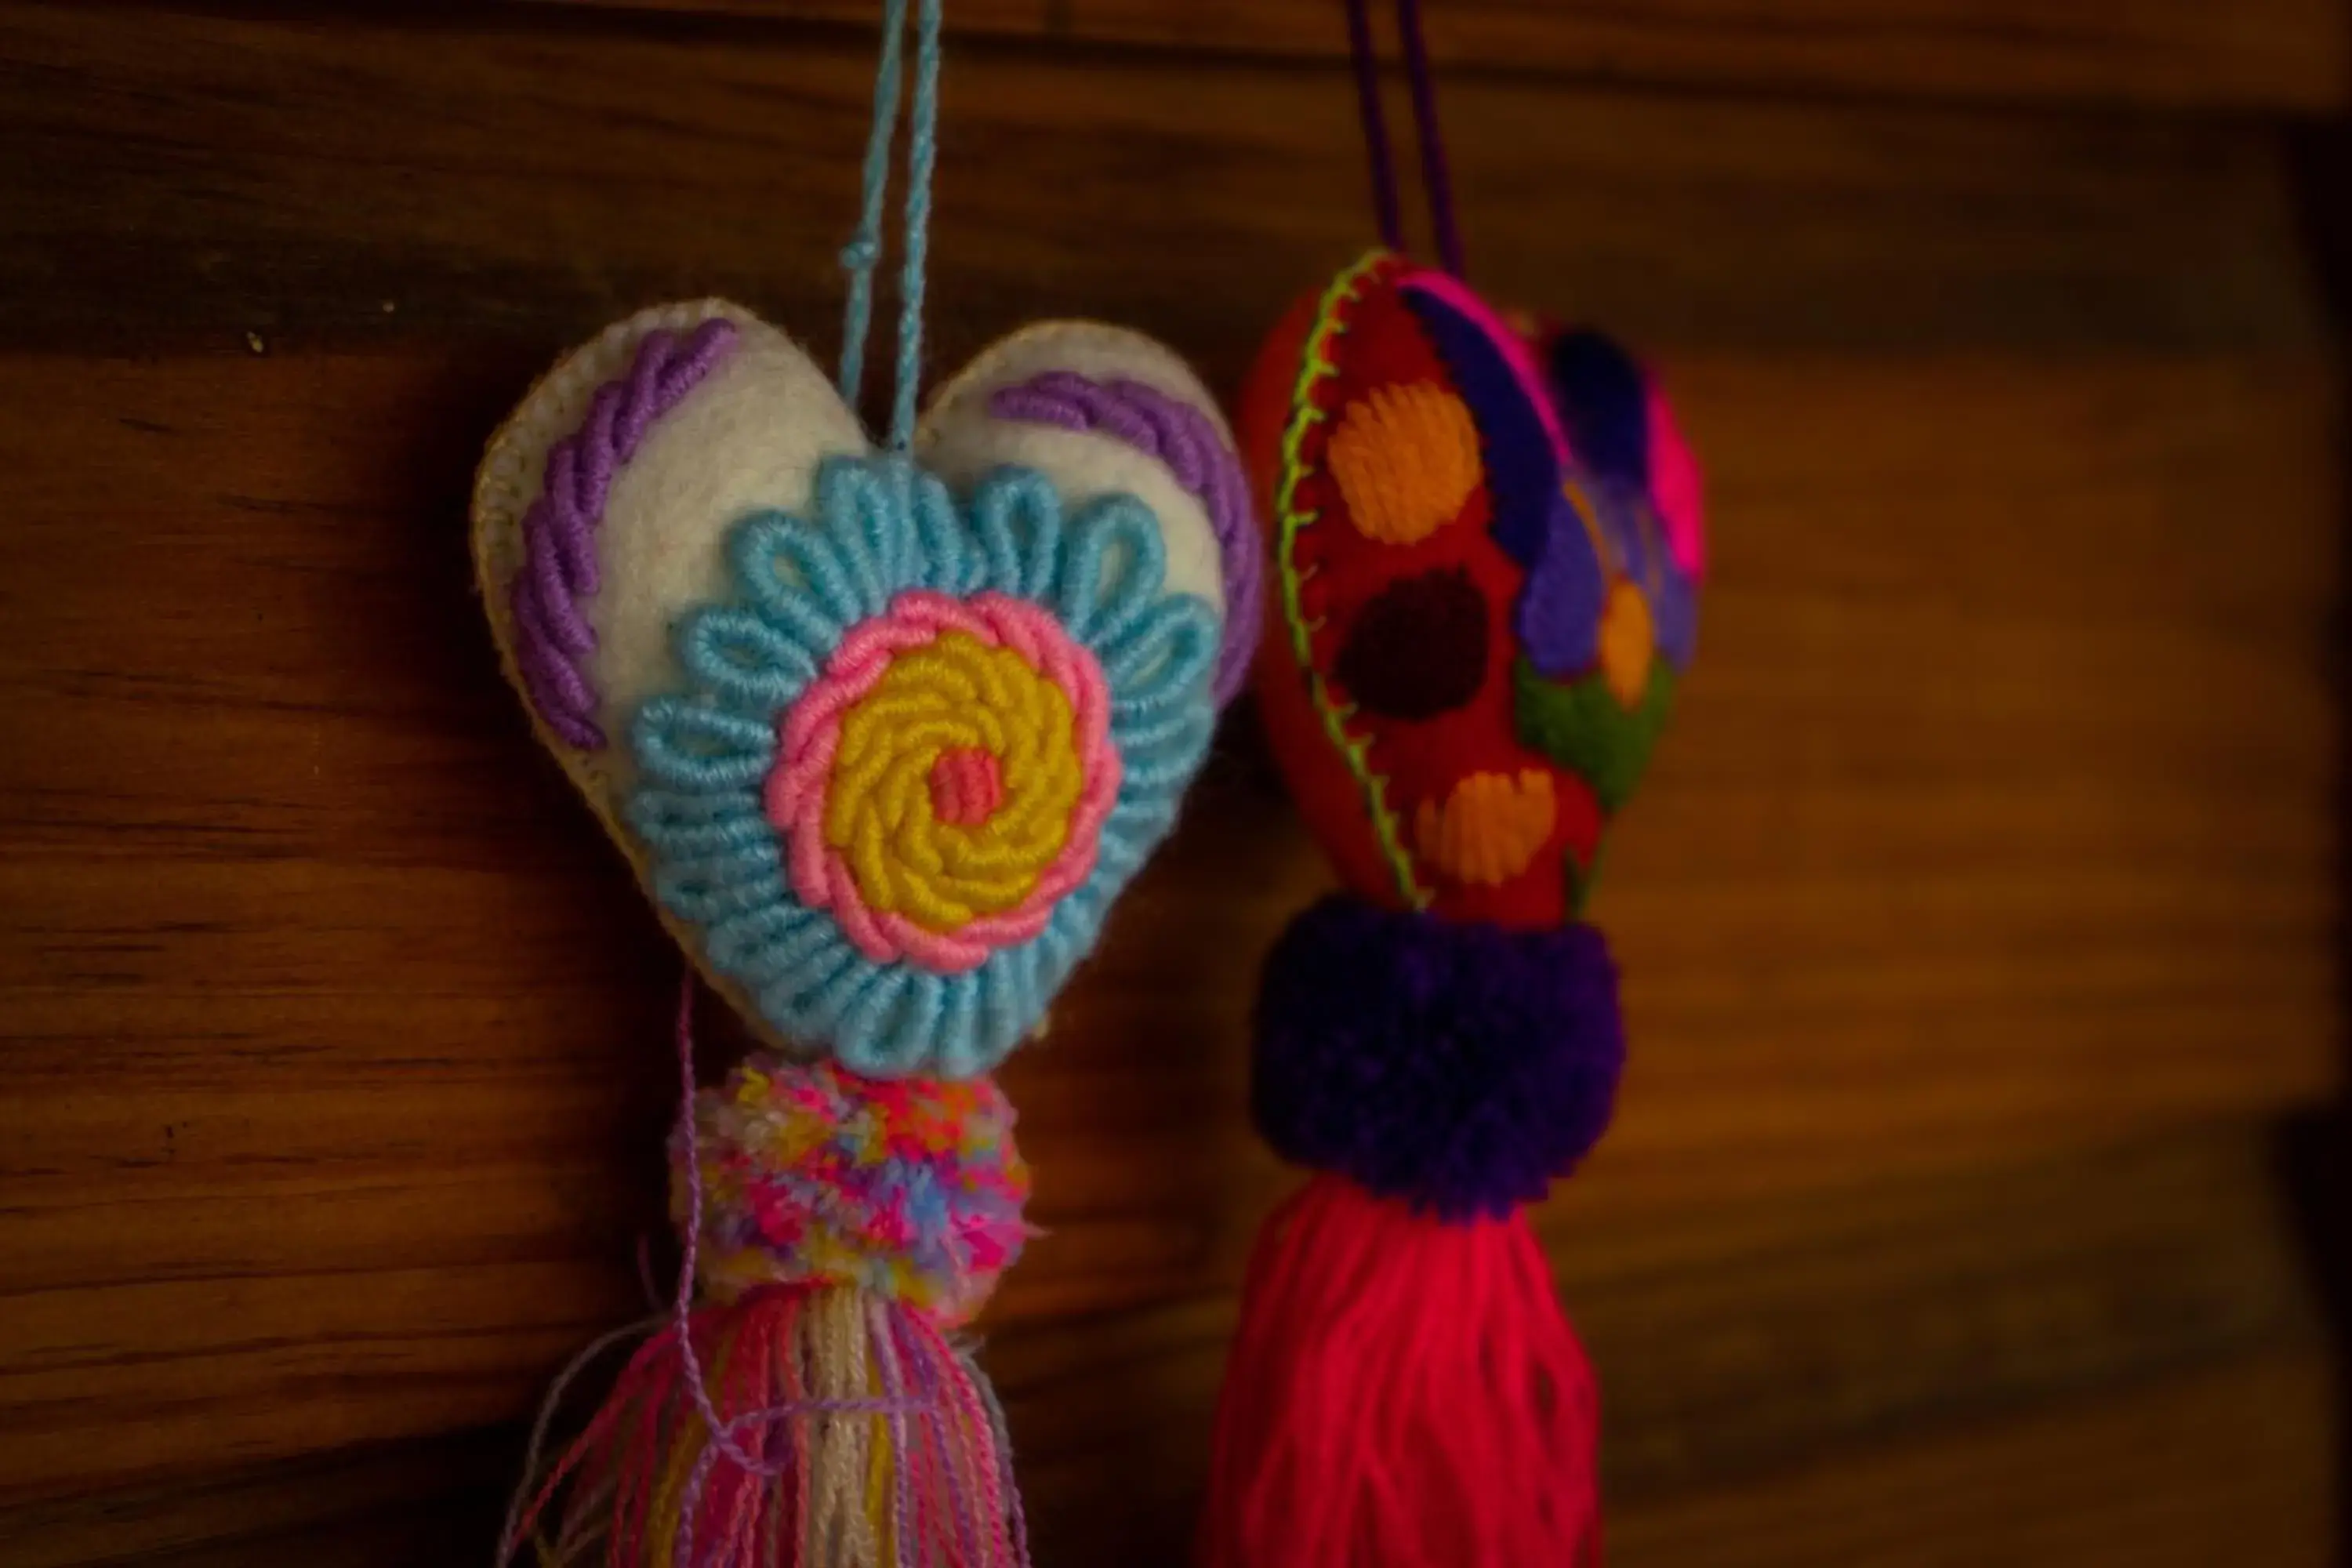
(782, 598)
(862, 506)
(1171, 729)
(718, 886)
(958, 1025)
(1017, 514)
(861, 1001)
(682, 824)
(957, 1044)
(1171, 648)
(989, 511)
(1117, 564)
(744, 659)
(761, 944)
(945, 550)
(698, 748)
(792, 1002)
(1009, 991)
(809, 586)
(1167, 768)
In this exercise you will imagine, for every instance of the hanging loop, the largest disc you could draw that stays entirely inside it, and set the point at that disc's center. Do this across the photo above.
(1437, 185)
(863, 254)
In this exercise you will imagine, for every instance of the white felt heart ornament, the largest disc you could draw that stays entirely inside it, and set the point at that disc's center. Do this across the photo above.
(883, 735)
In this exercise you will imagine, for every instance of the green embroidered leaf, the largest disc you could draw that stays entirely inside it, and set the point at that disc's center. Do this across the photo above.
(1582, 726)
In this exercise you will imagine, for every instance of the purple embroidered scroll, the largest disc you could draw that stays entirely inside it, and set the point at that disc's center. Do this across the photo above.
(553, 637)
(1188, 443)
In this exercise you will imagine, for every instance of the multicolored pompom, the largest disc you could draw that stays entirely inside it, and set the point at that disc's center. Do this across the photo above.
(911, 1188)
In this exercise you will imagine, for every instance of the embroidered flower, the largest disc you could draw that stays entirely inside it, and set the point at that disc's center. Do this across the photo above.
(919, 758)
(942, 783)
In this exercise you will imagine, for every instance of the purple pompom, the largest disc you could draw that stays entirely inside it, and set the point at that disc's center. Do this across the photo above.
(1456, 1067)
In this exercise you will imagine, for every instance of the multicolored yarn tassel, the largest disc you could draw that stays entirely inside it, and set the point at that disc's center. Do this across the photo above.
(1487, 549)
(851, 1431)
(815, 1410)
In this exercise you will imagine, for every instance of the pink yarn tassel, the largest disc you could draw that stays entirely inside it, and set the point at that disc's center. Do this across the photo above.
(1404, 1393)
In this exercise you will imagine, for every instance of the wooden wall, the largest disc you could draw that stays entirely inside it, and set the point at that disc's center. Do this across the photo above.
(1982, 919)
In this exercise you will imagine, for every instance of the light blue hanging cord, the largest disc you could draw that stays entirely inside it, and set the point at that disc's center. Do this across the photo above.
(864, 252)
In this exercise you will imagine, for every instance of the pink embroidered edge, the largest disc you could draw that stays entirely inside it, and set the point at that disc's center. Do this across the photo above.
(809, 740)
(1674, 470)
(1513, 347)
(1676, 483)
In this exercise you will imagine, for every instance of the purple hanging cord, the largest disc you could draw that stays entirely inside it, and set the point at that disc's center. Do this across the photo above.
(1385, 206)
(1436, 182)
(1437, 185)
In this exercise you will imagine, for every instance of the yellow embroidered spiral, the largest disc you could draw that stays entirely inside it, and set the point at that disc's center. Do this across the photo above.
(955, 693)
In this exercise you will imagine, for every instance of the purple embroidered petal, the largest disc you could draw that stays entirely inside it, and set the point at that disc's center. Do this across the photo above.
(1558, 617)
(1522, 464)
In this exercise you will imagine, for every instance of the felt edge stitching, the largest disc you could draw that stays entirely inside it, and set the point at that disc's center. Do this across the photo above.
(1316, 368)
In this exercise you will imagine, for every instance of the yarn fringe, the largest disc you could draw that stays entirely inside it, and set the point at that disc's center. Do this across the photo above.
(849, 1432)
(1403, 1392)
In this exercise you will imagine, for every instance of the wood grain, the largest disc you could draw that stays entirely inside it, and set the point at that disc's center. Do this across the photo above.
(2269, 54)
(1760, 1356)
(2222, 1465)
(1981, 912)
(328, 1013)
(386, 1506)
(1748, 1343)
(193, 181)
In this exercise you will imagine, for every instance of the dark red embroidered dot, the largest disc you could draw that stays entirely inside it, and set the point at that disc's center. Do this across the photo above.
(1418, 648)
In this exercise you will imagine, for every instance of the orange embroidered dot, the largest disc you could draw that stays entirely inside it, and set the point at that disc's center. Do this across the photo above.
(1488, 829)
(1405, 459)
(1629, 640)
